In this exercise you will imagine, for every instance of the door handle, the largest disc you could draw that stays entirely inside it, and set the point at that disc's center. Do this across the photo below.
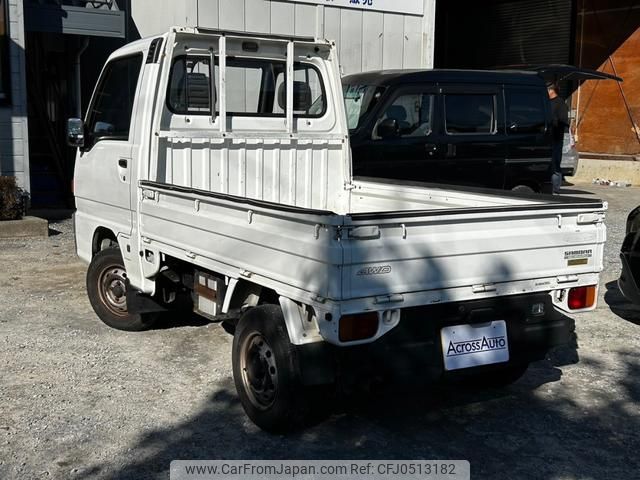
(122, 163)
(451, 150)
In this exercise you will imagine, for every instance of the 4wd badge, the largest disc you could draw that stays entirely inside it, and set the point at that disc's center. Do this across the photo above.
(377, 270)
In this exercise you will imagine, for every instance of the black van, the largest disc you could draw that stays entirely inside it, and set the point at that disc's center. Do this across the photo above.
(474, 128)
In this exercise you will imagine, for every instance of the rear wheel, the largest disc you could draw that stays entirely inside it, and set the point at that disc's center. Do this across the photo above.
(523, 189)
(266, 372)
(106, 287)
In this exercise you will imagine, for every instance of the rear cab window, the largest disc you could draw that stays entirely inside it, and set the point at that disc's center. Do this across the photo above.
(255, 88)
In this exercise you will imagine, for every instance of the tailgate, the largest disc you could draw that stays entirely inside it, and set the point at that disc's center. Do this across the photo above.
(464, 254)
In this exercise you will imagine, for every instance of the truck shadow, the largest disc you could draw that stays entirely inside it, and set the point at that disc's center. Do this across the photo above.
(619, 305)
(180, 319)
(526, 431)
(574, 191)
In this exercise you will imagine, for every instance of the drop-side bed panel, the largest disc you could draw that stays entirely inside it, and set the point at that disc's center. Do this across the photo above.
(280, 247)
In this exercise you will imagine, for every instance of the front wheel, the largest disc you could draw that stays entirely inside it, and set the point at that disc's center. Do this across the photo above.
(106, 287)
(266, 372)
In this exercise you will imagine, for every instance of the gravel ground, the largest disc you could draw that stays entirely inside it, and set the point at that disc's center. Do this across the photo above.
(79, 400)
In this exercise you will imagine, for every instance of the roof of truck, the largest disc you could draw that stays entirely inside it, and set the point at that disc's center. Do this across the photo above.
(395, 77)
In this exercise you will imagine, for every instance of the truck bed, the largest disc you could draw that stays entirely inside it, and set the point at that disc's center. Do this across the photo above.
(420, 244)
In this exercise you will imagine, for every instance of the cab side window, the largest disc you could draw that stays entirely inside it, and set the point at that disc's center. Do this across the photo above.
(410, 114)
(470, 114)
(112, 107)
(525, 112)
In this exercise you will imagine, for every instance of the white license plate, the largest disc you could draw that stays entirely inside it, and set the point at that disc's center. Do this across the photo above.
(465, 346)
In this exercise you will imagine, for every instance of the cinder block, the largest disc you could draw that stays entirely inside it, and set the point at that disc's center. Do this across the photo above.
(27, 227)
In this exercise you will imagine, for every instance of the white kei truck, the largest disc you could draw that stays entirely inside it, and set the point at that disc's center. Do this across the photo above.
(214, 176)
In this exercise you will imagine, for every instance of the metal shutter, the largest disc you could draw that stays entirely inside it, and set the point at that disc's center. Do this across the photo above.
(498, 33)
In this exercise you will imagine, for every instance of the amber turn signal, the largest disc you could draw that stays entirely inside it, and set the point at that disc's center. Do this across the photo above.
(358, 327)
(582, 297)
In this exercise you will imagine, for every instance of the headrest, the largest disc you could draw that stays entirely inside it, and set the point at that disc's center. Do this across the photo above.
(198, 91)
(301, 96)
(397, 112)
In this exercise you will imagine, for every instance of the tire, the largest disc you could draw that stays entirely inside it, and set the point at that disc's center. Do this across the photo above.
(266, 372)
(523, 189)
(106, 289)
(499, 378)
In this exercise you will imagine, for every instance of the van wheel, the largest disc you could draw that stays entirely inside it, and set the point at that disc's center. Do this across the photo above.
(106, 287)
(523, 189)
(266, 372)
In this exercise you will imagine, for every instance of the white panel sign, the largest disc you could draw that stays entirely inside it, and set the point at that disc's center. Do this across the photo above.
(412, 7)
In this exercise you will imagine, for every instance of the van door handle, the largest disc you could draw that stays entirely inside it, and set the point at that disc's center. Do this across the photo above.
(431, 148)
(451, 150)
(122, 163)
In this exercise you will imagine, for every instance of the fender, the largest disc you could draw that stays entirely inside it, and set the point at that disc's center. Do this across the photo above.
(302, 324)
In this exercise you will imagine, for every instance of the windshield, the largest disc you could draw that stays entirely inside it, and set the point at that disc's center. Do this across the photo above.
(360, 100)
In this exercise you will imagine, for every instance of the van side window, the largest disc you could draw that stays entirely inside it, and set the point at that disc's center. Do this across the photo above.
(254, 87)
(470, 113)
(525, 112)
(412, 114)
(110, 113)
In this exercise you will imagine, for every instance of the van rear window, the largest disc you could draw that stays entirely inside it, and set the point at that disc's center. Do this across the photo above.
(525, 112)
(470, 114)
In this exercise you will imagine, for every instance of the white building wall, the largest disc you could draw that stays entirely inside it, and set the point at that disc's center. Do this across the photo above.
(367, 40)
(14, 149)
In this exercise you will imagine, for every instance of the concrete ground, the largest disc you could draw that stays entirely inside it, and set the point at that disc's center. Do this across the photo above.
(79, 400)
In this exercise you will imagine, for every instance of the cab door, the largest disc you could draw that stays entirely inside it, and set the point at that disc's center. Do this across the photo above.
(104, 165)
(400, 140)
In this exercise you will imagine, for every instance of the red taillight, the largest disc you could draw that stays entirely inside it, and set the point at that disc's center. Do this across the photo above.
(358, 327)
(582, 297)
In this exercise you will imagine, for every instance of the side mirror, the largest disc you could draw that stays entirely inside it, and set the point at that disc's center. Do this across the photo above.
(75, 133)
(388, 128)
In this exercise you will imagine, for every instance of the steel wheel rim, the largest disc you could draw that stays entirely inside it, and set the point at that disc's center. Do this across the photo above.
(112, 289)
(259, 371)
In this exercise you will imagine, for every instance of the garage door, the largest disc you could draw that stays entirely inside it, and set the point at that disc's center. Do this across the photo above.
(500, 33)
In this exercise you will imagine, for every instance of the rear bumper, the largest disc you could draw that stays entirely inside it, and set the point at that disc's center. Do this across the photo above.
(412, 352)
